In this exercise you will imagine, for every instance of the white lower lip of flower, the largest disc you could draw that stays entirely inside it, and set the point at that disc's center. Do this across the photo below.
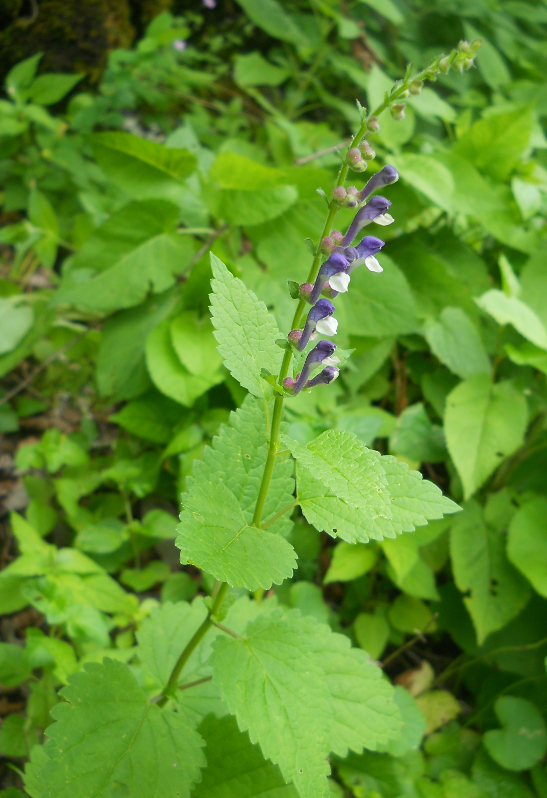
(372, 264)
(339, 282)
(384, 219)
(330, 361)
(327, 326)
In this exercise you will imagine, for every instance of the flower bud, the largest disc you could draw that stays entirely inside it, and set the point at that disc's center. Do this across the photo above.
(403, 94)
(398, 111)
(468, 63)
(337, 236)
(444, 65)
(288, 384)
(366, 151)
(463, 46)
(415, 87)
(305, 291)
(294, 336)
(339, 195)
(373, 125)
(384, 177)
(355, 160)
(327, 245)
(475, 46)
(327, 376)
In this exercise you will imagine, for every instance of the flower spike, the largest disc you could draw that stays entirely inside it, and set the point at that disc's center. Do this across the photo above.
(321, 353)
(319, 318)
(336, 263)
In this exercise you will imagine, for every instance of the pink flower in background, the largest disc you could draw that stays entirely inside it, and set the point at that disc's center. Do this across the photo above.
(179, 45)
(210, 3)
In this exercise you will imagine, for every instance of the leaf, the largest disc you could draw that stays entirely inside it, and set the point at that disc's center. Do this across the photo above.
(416, 438)
(413, 502)
(410, 615)
(413, 728)
(495, 591)
(238, 455)
(22, 73)
(167, 372)
(44, 218)
(372, 633)
(253, 70)
(271, 17)
(143, 168)
(141, 579)
(48, 89)
(349, 562)
(109, 736)
(134, 253)
(386, 8)
(151, 417)
(484, 423)
(235, 767)
(527, 543)
(15, 322)
(292, 668)
(496, 781)
(523, 739)
(528, 355)
(438, 707)
(454, 340)
(245, 331)
(214, 535)
(195, 344)
(15, 667)
(511, 310)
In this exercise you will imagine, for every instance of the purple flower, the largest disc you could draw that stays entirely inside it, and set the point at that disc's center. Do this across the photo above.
(327, 376)
(382, 178)
(376, 207)
(210, 3)
(321, 353)
(366, 251)
(335, 264)
(319, 318)
(179, 45)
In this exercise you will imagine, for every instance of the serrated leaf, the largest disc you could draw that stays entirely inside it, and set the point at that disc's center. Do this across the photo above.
(413, 502)
(214, 535)
(293, 668)
(236, 767)
(245, 331)
(109, 736)
(484, 423)
(495, 591)
(243, 444)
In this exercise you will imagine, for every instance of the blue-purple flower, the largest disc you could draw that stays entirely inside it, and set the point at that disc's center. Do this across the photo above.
(320, 319)
(335, 265)
(373, 211)
(382, 178)
(366, 251)
(325, 377)
(322, 354)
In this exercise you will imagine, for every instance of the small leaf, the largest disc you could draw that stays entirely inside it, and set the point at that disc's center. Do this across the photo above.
(438, 707)
(527, 543)
(523, 740)
(322, 193)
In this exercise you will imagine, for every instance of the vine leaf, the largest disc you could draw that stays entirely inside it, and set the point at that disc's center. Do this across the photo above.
(293, 668)
(245, 331)
(214, 535)
(109, 736)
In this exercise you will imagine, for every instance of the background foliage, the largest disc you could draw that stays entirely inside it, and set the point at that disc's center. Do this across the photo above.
(112, 199)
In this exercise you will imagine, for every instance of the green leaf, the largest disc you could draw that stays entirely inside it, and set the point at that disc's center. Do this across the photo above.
(151, 417)
(214, 535)
(291, 667)
(438, 707)
(527, 543)
(386, 8)
(484, 423)
(15, 322)
(372, 633)
(195, 344)
(495, 144)
(496, 591)
(490, 64)
(253, 70)
(416, 438)
(414, 724)
(22, 73)
(167, 372)
(411, 615)
(141, 579)
(238, 454)
(236, 767)
(523, 739)
(511, 310)
(108, 737)
(44, 218)
(143, 168)
(270, 16)
(50, 88)
(349, 562)
(245, 331)
(134, 253)
(454, 340)
(15, 667)
(13, 740)
(413, 501)
(496, 781)
(528, 355)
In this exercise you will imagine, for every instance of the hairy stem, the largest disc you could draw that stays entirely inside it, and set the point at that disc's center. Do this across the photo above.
(171, 686)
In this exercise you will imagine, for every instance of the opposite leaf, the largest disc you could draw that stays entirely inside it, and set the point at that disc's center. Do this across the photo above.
(214, 535)
(245, 331)
(109, 739)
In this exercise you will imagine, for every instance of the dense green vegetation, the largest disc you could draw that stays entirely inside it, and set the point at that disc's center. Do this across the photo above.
(206, 143)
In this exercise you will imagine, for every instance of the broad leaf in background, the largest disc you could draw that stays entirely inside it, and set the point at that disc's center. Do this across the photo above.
(236, 767)
(248, 193)
(485, 422)
(454, 340)
(107, 734)
(270, 16)
(135, 252)
(511, 310)
(527, 543)
(496, 591)
(15, 322)
(214, 535)
(44, 219)
(245, 331)
(416, 438)
(143, 168)
(523, 739)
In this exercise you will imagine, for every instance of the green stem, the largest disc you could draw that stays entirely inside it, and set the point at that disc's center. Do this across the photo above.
(171, 686)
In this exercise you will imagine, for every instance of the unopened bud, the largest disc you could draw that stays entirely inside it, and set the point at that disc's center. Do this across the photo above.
(463, 46)
(373, 125)
(431, 74)
(415, 87)
(398, 111)
(353, 155)
(468, 63)
(327, 245)
(305, 291)
(337, 237)
(366, 151)
(288, 384)
(444, 65)
(475, 46)
(294, 336)
(403, 95)
(353, 191)
(459, 63)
